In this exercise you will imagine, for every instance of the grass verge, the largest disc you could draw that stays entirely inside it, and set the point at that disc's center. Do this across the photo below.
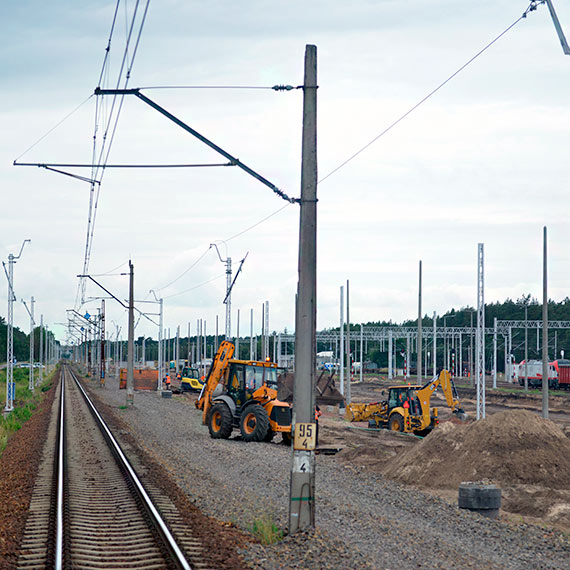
(25, 402)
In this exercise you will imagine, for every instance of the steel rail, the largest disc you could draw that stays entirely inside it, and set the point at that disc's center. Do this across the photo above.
(158, 522)
(59, 514)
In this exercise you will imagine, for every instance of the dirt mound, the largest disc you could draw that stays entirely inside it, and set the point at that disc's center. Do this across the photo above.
(511, 448)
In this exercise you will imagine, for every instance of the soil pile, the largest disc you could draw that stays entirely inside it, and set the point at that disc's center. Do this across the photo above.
(511, 448)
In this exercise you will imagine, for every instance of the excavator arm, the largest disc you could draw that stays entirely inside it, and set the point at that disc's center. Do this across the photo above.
(225, 352)
(448, 387)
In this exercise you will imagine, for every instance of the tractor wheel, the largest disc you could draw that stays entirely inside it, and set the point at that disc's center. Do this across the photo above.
(270, 435)
(220, 421)
(396, 422)
(254, 423)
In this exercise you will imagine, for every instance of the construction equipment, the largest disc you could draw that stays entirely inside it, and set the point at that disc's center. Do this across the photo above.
(243, 394)
(191, 379)
(408, 408)
(326, 392)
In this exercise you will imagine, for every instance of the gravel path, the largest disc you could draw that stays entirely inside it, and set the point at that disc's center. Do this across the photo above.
(363, 520)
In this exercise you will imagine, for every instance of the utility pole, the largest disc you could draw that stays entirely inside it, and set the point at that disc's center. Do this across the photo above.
(102, 368)
(131, 337)
(545, 375)
(341, 343)
(32, 323)
(434, 343)
(228, 300)
(251, 334)
(302, 489)
(526, 344)
(237, 336)
(41, 379)
(10, 386)
(348, 359)
(480, 341)
(419, 347)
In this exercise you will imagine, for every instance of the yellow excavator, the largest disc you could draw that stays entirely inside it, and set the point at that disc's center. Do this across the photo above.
(408, 408)
(243, 394)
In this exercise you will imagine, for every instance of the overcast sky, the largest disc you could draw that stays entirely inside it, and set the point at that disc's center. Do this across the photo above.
(483, 160)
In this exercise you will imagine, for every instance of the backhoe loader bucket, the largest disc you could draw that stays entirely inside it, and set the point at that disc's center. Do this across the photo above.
(326, 393)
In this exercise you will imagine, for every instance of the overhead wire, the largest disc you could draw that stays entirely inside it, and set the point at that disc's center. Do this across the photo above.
(531, 7)
(185, 271)
(195, 287)
(111, 123)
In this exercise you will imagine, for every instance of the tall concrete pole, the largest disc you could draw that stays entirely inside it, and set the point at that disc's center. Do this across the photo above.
(237, 336)
(434, 343)
(341, 342)
(131, 337)
(361, 355)
(302, 490)
(32, 358)
(419, 348)
(251, 334)
(526, 346)
(41, 379)
(495, 352)
(347, 395)
(544, 331)
(160, 347)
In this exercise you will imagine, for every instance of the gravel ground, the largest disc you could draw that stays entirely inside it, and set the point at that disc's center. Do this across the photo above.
(363, 519)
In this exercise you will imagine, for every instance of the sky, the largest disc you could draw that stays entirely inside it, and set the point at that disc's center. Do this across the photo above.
(484, 160)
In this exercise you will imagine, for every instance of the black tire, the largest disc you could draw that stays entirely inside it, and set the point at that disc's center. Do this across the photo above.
(480, 498)
(254, 423)
(270, 435)
(220, 421)
(396, 422)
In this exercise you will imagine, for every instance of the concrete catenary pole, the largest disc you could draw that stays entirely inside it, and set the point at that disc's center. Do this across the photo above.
(361, 352)
(41, 379)
(480, 342)
(544, 330)
(434, 343)
(131, 337)
(495, 352)
(251, 334)
(341, 342)
(160, 355)
(302, 489)
(237, 336)
(347, 395)
(419, 347)
(526, 344)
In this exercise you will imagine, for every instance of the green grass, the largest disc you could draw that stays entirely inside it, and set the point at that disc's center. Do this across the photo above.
(265, 530)
(25, 402)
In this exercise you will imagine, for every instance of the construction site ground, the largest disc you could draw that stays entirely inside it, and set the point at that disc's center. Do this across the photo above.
(514, 447)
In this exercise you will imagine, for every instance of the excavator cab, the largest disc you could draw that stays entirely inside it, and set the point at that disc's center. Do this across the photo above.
(243, 394)
(191, 379)
(399, 395)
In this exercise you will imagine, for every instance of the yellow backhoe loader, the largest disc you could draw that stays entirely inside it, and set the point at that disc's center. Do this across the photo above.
(243, 394)
(408, 408)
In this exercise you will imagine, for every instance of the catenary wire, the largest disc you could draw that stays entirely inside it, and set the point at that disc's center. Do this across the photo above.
(53, 128)
(184, 272)
(195, 287)
(531, 7)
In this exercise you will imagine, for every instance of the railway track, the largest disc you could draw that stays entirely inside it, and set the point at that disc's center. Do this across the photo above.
(89, 509)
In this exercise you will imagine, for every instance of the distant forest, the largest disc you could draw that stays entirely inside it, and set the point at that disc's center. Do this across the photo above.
(21, 343)
(508, 310)
(464, 317)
